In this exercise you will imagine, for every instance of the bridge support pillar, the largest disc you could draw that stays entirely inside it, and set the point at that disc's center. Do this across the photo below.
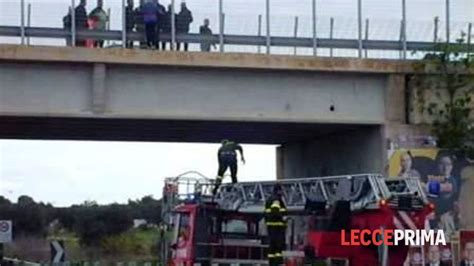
(99, 88)
(361, 150)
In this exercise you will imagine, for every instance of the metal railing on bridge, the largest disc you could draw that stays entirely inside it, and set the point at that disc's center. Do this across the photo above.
(273, 28)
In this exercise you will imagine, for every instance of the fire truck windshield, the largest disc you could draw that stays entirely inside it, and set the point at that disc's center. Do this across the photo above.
(235, 227)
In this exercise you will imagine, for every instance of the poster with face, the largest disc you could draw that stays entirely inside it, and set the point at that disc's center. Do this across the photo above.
(439, 255)
(448, 178)
(415, 256)
(467, 248)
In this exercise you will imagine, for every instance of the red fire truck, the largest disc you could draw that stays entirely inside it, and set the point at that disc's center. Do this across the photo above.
(230, 228)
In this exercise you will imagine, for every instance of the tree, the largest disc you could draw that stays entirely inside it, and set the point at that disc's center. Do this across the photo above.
(94, 223)
(445, 83)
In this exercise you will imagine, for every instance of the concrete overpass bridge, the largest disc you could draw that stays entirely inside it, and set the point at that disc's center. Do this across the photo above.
(329, 116)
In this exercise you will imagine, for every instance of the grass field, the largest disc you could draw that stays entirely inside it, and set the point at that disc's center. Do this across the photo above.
(134, 245)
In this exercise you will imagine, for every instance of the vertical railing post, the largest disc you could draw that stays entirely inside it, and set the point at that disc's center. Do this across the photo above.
(259, 31)
(331, 34)
(435, 31)
(73, 23)
(315, 33)
(109, 13)
(359, 18)
(124, 24)
(267, 13)
(404, 29)
(22, 21)
(28, 22)
(400, 40)
(366, 37)
(295, 34)
(448, 21)
(469, 33)
(173, 26)
(221, 26)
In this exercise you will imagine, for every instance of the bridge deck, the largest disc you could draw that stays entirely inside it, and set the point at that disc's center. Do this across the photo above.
(18, 53)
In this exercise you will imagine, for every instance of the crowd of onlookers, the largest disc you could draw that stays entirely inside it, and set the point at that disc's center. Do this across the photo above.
(150, 18)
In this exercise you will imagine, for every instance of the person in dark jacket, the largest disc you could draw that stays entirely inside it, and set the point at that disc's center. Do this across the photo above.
(150, 19)
(81, 20)
(205, 31)
(67, 26)
(227, 158)
(185, 18)
(159, 27)
(129, 21)
(139, 23)
(275, 210)
(166, 25)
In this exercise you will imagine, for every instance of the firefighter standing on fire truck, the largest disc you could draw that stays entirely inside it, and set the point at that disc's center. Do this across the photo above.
(275, 210)
(227, 158)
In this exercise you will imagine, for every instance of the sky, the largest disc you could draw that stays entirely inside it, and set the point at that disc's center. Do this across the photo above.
(71, 172)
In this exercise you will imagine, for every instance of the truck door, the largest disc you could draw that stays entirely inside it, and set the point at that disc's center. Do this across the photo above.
(182, 239)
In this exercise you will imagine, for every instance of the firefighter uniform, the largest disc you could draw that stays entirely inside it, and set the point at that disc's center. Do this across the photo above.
(227, 158)
(275, 210)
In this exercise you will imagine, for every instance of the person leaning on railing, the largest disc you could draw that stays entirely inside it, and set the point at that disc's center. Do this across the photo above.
(100, 19)
(129, 21)
(81, 20)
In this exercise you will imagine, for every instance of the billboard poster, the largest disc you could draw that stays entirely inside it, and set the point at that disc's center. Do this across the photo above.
(450, 174)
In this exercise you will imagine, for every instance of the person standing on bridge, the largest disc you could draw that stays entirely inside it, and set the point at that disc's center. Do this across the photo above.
(227, 158)
(99, 18)
(184, 20)
(275, 210)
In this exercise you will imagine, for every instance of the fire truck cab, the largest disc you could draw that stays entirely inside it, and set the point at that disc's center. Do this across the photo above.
(206, 235)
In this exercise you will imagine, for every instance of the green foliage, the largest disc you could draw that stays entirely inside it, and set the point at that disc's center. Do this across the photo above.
(94, 223)
(136, 242)
(449, 76)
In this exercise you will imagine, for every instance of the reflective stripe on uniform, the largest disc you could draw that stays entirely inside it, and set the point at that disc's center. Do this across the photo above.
(275, 204)
(219, 177)
(275, 223)
(278, 254)
(270, 256)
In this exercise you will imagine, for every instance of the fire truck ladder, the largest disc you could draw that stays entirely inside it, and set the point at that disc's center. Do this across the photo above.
(363, 191)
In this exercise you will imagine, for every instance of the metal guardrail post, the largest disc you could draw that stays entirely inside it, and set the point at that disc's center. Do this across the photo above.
(124, 24)
(28, 21)
(469, 33)
(259, 31)
(366, 51)
(331, 33)
(404, 29)
(73, 23)
(359, 18)
(448, 21)
(22, 21)
(400, 40)
(173, 26)
(109, 13)
(435, 31)
(221, 26)
(295, 34)
(315, 33)
(267, 14)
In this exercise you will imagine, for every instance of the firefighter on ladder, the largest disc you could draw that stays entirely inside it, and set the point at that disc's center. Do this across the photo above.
(275, 210)
(227, 158)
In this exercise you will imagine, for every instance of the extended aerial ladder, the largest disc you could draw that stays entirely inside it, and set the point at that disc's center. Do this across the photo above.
(363, 191)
